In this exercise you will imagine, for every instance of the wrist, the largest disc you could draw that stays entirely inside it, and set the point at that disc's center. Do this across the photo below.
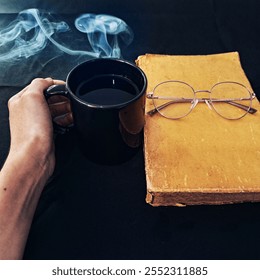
(25, 173)
(35, 158)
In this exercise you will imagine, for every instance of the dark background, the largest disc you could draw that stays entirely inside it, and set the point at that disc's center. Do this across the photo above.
(91, 211)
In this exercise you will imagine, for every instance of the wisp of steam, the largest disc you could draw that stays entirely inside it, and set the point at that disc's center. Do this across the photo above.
(98, 27)
(30, 33)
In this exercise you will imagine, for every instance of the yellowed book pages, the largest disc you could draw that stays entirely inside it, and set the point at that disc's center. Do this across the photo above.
(201, 158)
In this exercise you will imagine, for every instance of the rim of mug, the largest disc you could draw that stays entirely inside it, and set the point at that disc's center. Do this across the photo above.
(114, 106)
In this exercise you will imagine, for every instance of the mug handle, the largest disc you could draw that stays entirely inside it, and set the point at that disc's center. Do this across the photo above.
(55, 90)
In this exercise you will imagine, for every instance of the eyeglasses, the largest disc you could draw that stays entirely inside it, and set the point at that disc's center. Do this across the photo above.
(176, 99)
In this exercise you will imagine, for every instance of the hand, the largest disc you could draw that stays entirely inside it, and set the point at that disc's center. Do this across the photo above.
(31, 123)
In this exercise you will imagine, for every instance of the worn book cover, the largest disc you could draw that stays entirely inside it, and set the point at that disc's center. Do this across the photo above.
(201, 158)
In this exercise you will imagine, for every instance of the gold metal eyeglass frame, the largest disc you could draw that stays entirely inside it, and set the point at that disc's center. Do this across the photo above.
(194, 101)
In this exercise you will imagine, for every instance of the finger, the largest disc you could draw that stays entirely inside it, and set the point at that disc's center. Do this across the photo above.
(38, 85)
(58, 82)
(64, 120)
(58, 109)
(34, 86)
(57, 99)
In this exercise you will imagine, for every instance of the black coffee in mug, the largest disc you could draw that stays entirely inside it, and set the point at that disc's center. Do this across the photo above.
(107, 90)
(107, 99)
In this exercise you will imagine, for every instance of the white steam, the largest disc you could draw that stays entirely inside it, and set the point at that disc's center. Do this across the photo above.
(30, 33)
(98, 27)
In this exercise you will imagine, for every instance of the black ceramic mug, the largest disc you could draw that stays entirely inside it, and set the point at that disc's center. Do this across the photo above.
(107, 99)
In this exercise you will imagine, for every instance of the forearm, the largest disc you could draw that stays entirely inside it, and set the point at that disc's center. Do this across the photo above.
(21, 182)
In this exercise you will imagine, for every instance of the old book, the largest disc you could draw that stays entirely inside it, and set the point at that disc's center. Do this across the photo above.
(201, 158)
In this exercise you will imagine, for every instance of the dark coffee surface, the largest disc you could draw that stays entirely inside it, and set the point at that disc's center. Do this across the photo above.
(107, 90)
(92, 211)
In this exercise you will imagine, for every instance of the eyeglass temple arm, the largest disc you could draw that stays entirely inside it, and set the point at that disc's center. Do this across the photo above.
(155, 110)
(243, 107)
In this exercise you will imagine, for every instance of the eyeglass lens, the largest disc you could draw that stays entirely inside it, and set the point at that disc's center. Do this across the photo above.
(227, 97)
(175, 99)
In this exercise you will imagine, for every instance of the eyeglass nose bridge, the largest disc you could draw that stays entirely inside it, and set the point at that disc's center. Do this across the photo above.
(202, 90)
(206, 100)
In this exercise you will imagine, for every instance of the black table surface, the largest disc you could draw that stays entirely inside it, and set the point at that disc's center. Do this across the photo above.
(92, 211)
